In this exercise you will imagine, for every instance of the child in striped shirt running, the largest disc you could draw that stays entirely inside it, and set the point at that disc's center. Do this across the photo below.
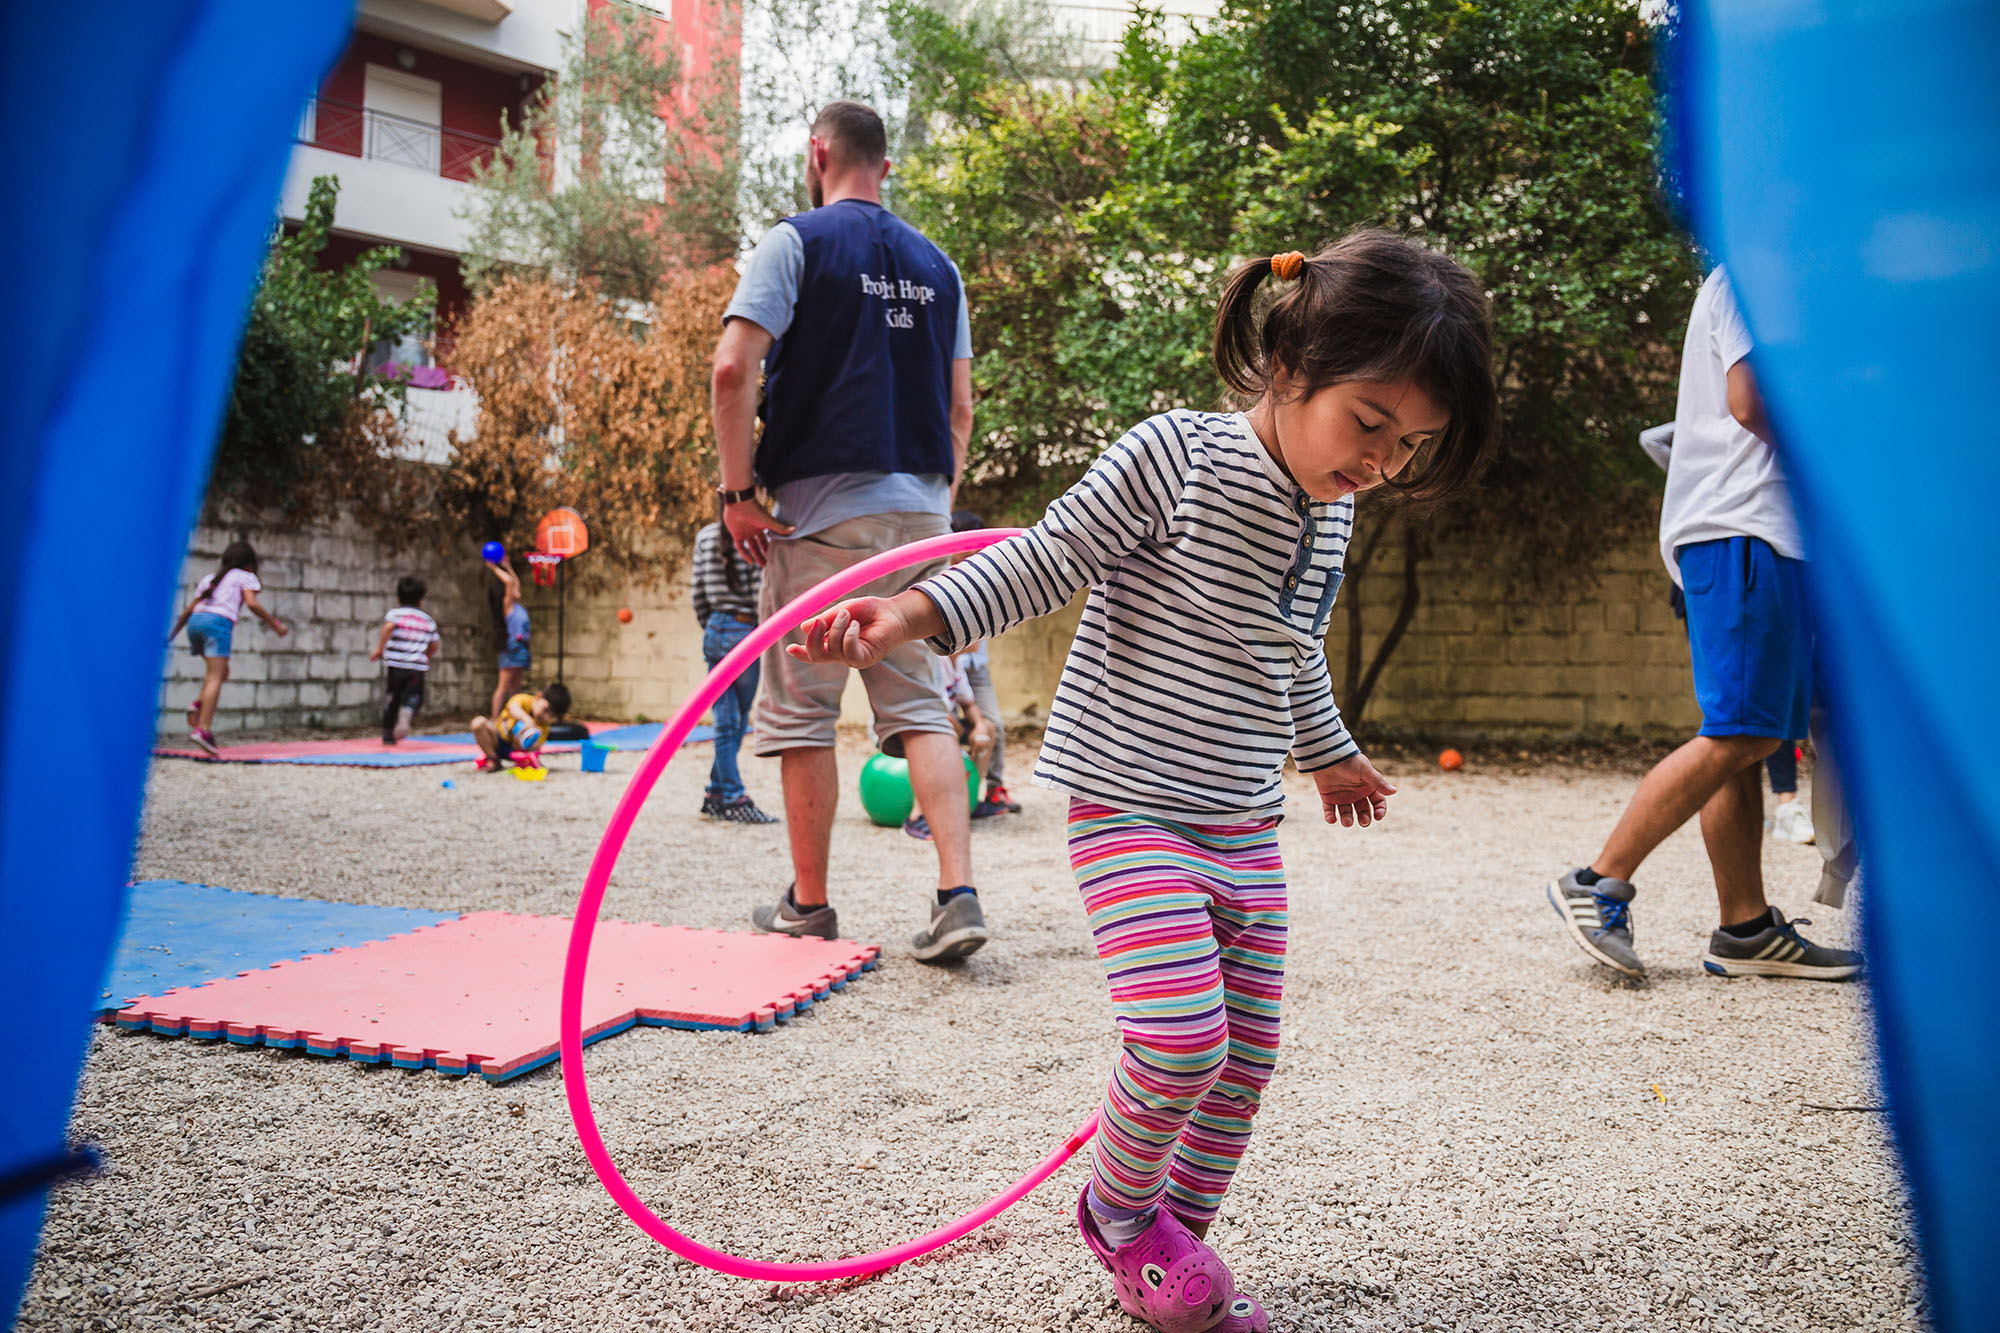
(1212, 545)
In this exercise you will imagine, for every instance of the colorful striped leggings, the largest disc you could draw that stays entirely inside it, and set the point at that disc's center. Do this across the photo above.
(1190, 922)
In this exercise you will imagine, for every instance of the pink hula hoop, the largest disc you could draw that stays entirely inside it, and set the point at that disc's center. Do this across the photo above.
(575, 1085)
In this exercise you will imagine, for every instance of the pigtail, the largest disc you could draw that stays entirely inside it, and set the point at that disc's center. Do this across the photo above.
(1239, 345)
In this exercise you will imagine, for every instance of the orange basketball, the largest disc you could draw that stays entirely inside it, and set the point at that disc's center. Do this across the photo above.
(1451, 760)
(624, 615)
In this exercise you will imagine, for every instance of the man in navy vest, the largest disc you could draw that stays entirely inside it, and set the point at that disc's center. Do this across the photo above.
(860, 325)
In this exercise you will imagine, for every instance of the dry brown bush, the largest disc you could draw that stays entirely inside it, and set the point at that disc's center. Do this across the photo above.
(581, 406)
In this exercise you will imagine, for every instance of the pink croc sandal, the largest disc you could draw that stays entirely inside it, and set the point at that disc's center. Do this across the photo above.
(1165, 1276)
(1244, 1315)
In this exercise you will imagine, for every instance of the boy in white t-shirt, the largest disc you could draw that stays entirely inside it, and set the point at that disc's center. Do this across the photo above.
(210, 617)
(408, 642)
(1731, 541)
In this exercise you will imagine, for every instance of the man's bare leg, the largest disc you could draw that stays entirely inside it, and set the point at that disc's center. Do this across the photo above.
(812, 792)
(1669, 796)
(937, 775)
(1732, 824)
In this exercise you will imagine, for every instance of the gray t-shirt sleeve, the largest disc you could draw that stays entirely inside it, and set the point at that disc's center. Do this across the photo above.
(961, 348)
(768, 292)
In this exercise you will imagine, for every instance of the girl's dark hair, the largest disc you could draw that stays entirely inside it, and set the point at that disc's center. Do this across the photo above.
(239, 554)
(1373, 306)
(733, 572)
(410, 590)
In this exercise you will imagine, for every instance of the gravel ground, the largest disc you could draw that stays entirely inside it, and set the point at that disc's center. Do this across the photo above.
(1471, 1127)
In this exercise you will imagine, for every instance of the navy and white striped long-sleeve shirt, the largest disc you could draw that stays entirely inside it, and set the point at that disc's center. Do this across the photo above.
(708, 576)
(1200, 661)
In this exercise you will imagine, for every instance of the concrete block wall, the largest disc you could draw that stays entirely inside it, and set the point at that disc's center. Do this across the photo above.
(1609, 660)
(1604, 662)
(331, 584)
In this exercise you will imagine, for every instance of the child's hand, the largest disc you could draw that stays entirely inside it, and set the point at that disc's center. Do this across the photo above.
(1352, 792)
(981, 742)
(280, 628)
(374, 654)
(859, 633)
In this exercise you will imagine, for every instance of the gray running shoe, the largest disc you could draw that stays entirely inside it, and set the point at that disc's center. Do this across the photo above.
(1778, 950)
(1599, 917)
(957, 928)
(784, 917)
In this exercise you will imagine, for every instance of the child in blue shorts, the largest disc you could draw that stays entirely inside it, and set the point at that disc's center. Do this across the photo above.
(1731, 542)
(210, 619)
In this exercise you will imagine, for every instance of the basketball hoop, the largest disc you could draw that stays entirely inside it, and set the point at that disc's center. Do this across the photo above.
(542, 566)
(562, 533)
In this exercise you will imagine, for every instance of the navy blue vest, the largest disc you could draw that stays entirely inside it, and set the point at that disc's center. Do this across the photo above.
(861, 381)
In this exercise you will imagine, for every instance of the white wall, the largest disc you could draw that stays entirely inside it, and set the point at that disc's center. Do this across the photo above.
(380, 201)
(529, 39)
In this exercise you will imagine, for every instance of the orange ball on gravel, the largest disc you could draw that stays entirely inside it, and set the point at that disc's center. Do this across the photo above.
(1451, 760)
(624, 615)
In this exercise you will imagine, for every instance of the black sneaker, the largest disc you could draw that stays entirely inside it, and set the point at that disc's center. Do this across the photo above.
(1599, 917)
(711, 807)
(743, 810)
(786, 917)
(1778, 950)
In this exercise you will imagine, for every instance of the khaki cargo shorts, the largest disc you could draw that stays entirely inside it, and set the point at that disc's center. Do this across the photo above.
(799, 704)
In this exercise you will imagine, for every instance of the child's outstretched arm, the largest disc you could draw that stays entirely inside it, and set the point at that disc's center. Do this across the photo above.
(181, 623)
(276, 626)
(508, 580)
(1350, 790)
(862, 632)
(381, 642)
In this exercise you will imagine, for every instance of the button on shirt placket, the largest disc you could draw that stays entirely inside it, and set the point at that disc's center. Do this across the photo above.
(1302, 559)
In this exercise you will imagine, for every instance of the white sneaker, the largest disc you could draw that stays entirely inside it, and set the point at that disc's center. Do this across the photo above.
(403, 718)
(1791, 823)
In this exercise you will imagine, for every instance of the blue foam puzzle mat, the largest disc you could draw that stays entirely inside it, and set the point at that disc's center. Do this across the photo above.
(180, 934)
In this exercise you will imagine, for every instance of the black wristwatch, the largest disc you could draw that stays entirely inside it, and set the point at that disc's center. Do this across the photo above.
(736, 497)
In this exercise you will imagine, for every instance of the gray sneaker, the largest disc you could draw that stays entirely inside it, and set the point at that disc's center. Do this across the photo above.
(1778, 950)
(785, 917)
(1599, 917)
(957, 928)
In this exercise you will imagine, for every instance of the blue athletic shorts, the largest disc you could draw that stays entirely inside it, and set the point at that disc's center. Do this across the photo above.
(209, 634)
(1750, 636)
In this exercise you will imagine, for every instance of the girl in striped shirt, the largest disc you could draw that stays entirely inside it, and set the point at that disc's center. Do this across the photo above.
(1212, 546)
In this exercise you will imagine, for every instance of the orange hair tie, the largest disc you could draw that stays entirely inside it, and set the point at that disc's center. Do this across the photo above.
(1288, 265)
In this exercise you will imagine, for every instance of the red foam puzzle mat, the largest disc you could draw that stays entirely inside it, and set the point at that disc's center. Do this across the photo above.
(481, 994)
(359, 752)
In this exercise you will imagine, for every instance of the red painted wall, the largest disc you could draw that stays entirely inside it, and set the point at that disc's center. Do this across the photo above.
(472, 97)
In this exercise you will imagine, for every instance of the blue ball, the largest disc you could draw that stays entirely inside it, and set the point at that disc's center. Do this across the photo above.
(493, 553)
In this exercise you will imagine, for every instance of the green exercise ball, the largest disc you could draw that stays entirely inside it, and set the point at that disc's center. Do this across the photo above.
(886, 794)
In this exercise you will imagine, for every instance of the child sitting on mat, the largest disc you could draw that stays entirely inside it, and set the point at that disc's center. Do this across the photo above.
(1212, 544)
(523, 725)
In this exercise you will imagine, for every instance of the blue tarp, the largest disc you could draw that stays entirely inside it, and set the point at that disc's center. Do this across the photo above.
(148, 144)
(1843, 158)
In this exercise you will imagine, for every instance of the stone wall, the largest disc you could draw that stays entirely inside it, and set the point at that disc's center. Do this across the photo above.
(1604, 662)
(331, 584)
(1607, 661)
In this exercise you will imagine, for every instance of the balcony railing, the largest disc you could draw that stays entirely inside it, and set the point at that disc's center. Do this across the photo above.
(359, 131)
